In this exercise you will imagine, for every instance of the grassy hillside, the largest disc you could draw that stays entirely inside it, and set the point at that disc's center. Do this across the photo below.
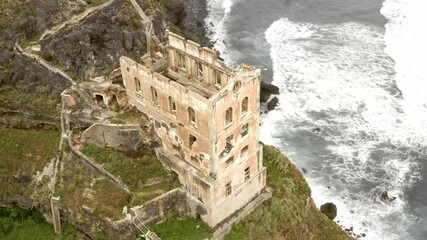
(290, 213)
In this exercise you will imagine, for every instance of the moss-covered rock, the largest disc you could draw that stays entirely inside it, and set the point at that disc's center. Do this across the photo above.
(329, 209)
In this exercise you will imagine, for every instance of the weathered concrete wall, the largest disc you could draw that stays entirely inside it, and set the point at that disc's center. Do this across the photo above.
(195, 182)
(177, 202)
(196, 61)
(124, 137)
(172, 126)
(216, 154)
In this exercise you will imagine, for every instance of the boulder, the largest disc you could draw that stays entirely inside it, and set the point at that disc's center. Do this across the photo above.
(267, 87)
(272, 103)
(267, 90)
(386, 197)
(329, 209)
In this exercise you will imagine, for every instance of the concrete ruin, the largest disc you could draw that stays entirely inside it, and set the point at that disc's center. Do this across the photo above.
(207, 117)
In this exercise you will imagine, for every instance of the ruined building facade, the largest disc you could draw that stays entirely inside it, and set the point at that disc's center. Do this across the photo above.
(207, 117)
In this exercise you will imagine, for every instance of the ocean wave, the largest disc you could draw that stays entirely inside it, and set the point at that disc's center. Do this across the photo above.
(406, 43)
(337, 78)
(215, 22)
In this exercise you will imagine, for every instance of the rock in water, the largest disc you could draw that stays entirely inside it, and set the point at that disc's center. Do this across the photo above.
(272, 103)
(267, 90)
(329, 209)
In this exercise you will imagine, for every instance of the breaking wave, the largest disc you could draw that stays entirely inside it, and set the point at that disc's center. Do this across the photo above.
(336, 79)
(352, 110)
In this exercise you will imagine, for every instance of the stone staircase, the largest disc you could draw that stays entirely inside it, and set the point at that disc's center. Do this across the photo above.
(44, 63)
(146, 232)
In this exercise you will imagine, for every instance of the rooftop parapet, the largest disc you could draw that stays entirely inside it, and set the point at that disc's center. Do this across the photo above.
(197, 68)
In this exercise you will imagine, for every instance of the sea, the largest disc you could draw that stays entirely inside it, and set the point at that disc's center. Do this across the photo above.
(353, 100)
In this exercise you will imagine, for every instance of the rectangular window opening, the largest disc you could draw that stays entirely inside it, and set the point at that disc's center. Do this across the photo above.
(229, 160)
(247, 173)
(192, 140)
(245, 130)
(244, 151)
(218, 77)
(228, 189)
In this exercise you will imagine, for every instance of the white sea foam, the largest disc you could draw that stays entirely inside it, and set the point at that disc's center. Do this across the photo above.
(218, 14)
(406, 39)
(337, 77)
(371, 112)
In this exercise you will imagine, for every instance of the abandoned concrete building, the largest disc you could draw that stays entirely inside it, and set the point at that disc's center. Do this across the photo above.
(207, 117)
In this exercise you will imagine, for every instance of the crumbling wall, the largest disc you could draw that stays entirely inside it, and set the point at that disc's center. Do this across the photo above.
(123, 137)
(177, 202)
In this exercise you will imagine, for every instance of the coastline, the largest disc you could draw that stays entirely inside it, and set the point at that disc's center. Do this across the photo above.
(193, 26)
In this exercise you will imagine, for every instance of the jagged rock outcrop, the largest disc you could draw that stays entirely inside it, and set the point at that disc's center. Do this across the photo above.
(25, 19)
(94, 46)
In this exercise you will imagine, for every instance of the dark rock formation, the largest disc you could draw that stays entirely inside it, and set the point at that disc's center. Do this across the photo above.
(329, 209)
(93, 47)
(25, 19)
(267, 90)
(193, 26)
(384, 196)
(272, 103)
(35, 78)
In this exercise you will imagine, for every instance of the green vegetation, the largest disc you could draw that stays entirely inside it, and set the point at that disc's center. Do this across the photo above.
(182, 229)
(130, 116)
(6, 67)
(165, 3)
(94, 3)
(16, 223)
(136, 172)
(80, 187)
(290, 213)
(23, 153)
(41, 104)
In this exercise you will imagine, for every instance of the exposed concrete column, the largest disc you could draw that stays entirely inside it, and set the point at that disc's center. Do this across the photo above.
(54, 205)
(67, 116)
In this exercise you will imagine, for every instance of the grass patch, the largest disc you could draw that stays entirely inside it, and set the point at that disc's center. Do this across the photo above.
(16, 223)
(130, 116)
(290, 213)
(41, 104)
(134, 171)
(185, 229)
(94, 3)
(153, 191)
(23, 153)
(80, 187)
(165, 3)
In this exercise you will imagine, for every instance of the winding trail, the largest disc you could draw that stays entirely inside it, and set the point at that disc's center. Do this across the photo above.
(44, 63)
(76, 19)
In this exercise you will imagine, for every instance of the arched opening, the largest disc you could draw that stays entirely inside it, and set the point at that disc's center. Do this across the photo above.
(99, 99)
(191, 140)
(191, 115)
(137, 84)
(229, 116)
(237, 86)
(114, 104)
(172, 104)
(245, 102)
(154, 96)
